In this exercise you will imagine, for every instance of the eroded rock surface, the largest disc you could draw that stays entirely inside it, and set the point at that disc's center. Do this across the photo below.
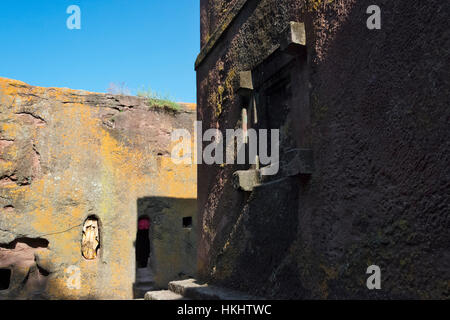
(66, 155)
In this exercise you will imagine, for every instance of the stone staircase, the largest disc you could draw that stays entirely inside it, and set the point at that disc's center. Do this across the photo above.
(191, 289)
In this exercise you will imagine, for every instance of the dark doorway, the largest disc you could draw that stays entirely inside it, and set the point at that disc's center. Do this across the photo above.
(5, 279)
(143, 242)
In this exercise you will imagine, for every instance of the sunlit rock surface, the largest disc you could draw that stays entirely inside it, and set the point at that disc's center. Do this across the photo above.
(66, 155)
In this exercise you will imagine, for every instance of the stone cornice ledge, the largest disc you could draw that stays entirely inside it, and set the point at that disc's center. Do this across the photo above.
(229, 18)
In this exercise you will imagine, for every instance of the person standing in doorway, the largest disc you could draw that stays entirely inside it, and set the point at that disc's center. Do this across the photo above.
(143, 242)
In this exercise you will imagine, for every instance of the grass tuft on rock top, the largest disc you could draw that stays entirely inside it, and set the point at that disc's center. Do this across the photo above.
(157, 100)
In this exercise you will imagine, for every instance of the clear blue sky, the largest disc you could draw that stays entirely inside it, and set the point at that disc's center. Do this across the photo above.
(151, 43)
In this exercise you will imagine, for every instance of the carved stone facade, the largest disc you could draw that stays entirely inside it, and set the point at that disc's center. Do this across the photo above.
(363, 119)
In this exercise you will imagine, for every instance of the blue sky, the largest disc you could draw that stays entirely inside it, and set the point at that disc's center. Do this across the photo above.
(150, 43)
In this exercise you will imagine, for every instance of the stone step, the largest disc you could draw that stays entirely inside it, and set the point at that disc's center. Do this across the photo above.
(163, 295)
(184, 287)
(192, 289)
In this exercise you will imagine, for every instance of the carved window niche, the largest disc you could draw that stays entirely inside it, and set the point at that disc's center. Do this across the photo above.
(275, 95)
(90, 242)
(5, 279)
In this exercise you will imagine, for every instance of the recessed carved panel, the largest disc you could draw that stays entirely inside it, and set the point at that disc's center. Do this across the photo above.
(90, 242)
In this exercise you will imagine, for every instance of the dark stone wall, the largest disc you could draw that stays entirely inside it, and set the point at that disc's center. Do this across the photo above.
(212, 13)
(377, 103)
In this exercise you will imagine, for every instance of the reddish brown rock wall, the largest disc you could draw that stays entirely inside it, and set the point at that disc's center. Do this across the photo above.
(378, 128)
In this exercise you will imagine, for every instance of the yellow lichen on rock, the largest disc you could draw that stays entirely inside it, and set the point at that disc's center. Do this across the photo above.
(62, 163)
